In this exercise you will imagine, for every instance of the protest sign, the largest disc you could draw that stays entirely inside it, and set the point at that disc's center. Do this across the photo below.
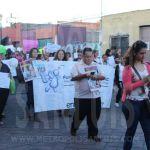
(29, 44)
(4, 80)
(27, 70)
(107, 85)
(51, 48)
(54, 90)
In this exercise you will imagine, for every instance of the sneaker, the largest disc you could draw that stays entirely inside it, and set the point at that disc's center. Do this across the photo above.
(69, 115)
(117, 104)
(29, 113)
(36, 118)
(3, 115)
(95, 138)
(59, 113)
(1, 123)
(73, 132)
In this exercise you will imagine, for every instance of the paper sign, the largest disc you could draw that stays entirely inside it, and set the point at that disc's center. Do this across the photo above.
(51, 48)
(27, 70)
(4, 80)
(29, 44)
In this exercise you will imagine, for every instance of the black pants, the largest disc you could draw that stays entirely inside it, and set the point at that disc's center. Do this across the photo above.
(90, 108)
(30, 96)
(135, 112)
(120, 90)
(4, 93)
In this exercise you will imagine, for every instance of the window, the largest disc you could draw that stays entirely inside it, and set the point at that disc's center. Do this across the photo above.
(43, 42)
(120, 41)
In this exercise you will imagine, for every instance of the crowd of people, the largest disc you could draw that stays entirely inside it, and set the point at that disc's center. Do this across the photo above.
(132, 77)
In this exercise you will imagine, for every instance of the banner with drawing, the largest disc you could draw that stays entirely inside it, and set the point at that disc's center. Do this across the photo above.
(54, 90)
(27, 70)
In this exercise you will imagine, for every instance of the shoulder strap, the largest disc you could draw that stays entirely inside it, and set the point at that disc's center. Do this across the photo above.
(137, 73)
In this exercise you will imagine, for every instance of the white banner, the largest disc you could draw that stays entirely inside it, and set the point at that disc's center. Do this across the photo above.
(107, 85)
(4, 80)
(51, 48)
(54, 90)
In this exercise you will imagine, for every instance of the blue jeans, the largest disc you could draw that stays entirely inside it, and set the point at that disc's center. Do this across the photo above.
(135, 112)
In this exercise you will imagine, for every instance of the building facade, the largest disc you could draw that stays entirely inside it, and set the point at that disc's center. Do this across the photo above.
(121, 30)
(47, 33)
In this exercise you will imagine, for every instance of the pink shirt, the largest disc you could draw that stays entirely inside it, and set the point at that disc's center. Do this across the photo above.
(129, 83)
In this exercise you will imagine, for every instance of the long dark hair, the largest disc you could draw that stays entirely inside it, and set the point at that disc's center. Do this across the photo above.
(8, 54)
(56, 56)
(107, 53)
(5, 41)
(131, 54)
(31, 51)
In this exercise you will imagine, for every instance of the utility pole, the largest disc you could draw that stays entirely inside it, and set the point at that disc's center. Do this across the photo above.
(101, 24)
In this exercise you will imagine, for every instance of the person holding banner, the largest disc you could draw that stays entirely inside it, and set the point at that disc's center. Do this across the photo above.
(12, 62)
(118, 79)
(47, 56)
(60, 56)
(79, 57)
(68, 56)
(136, 94)
(110, 58)
(29, 87)
(7, 42)
(96, 57)
(87, 75)
(4, 90)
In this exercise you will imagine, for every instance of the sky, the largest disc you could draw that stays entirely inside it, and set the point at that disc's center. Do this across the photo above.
(51, 11)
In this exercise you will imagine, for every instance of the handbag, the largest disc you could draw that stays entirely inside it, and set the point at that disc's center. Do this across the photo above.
(143, 89)
(12, 86)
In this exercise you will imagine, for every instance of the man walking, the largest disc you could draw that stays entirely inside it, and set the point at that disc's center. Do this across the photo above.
(87, 75)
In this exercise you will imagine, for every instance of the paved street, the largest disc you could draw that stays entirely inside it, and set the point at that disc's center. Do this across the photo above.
(53, 132)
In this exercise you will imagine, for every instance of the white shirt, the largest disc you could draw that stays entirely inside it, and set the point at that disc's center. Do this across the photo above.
(12, 63)
(111, 61)
(98, 60)
(82, 88)
(137, 94)
(13, 49)
(19, 49)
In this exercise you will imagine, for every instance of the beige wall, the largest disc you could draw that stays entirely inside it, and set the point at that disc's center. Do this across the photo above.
(124, 23)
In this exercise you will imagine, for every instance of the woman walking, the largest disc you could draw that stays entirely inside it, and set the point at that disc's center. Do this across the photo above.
(60, 56)
(136, 94)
